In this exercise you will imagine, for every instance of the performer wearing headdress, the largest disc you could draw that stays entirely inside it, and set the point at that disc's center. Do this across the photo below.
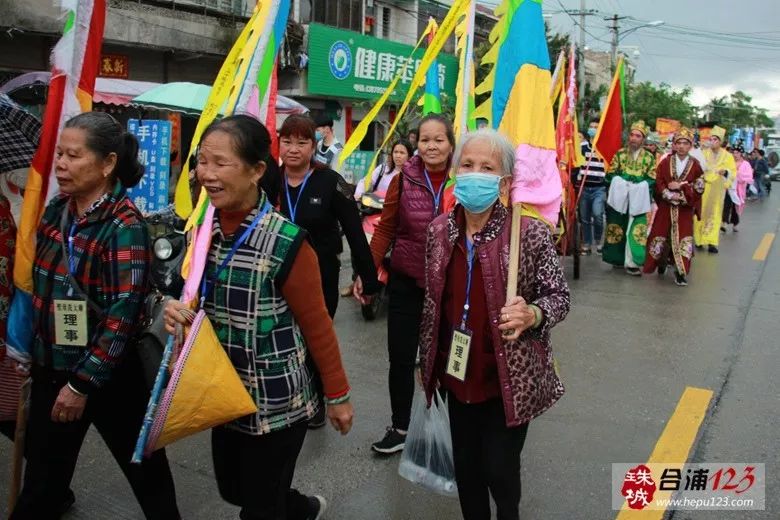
(719, 173)
(678, 188)
(631, 177)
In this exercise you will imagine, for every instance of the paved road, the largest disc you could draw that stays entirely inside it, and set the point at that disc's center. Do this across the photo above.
(627, 351)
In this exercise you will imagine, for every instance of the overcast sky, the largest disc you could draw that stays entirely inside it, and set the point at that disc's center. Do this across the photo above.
(712, 66)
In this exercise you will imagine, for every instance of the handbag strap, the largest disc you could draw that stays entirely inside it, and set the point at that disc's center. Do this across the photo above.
(73, 282)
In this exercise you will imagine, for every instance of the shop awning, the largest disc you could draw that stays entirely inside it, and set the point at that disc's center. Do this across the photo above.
(107, 90)
(178, 96)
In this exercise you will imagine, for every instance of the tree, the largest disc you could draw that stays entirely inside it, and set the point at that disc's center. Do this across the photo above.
(737, 110)
(648, 102)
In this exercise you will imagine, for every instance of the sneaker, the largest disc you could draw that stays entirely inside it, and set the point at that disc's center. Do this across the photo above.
(713, 249)
(722, 229)
(599, 249)
(319, 419)
(584, 251)
(318, 506)
(680, 280)
(393, 442)
(633, 271)
(734, 229)
(346, 292)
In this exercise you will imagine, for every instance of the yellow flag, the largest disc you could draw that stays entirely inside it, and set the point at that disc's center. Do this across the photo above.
(360, 132)
(226, 82)
(457, 10)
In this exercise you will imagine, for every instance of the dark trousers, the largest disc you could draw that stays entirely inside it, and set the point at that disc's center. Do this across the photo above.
(329, 273)
(255, 472)
(487, 459)
(730, 215)
(405, 303)
(52, 449)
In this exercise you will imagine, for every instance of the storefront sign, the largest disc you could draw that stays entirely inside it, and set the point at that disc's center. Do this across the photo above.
(114, 66)
(352, 65)
(154, 153)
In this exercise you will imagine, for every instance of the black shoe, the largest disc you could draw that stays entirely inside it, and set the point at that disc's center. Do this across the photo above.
(319, 419)
(317, 505)
(712, 249)
(633, 271)
(680, 280)
(699, 247)
(70, 499)
(393, 442)
(661, 270)
(722, 229)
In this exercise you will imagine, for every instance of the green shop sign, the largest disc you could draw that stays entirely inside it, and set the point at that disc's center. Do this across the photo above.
(352, 65)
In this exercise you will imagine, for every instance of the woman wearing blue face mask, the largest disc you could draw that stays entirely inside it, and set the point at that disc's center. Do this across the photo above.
(500, 373)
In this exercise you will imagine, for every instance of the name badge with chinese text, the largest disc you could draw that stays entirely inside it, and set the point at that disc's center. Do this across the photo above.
(70, 323)
(458, 359)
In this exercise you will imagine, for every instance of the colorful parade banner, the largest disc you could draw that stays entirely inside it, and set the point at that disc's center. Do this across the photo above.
(75, 62)
(609, 136)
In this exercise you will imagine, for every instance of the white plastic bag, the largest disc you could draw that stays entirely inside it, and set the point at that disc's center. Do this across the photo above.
(427, 457)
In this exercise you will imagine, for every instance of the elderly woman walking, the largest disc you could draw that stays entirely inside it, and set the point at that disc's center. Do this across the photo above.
(89, 281)
(262, 293)
(508, 378)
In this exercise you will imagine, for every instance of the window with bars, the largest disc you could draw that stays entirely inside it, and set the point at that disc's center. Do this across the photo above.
(386, 22)
(344, 14)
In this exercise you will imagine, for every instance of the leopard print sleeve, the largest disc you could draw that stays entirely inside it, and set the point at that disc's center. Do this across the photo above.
(549, 287)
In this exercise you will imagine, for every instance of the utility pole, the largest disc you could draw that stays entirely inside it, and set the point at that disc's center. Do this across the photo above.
(615, 35)
(581, 67)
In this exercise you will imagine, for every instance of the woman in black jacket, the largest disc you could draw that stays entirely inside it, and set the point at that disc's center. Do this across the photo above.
(318, 199)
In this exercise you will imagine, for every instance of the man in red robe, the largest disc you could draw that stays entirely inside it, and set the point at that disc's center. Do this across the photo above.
(678, 188)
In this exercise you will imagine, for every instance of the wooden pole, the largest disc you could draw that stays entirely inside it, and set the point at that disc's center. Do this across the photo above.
(514, 252)
(19, 435)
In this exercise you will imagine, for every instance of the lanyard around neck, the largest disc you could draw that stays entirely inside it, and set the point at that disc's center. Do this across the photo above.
(469, 270)
(293, 208)
(207, 284)
(436, 196)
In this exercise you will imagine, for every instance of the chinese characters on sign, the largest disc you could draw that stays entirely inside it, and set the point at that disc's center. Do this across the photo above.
(352, 65)
(154, 153)
(114, 66)
(699, 486)
(70, 323)
(355, 168)
(383, 66)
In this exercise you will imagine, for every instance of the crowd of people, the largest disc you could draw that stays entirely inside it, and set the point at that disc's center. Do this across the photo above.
(270, 290)
(660, 204)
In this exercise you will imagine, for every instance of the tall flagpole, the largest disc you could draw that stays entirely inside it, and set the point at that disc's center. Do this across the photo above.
(468, 64)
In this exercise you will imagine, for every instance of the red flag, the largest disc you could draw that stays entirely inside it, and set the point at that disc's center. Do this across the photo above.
(609, 136)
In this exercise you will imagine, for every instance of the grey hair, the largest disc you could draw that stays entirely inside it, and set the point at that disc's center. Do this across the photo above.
(499, 144)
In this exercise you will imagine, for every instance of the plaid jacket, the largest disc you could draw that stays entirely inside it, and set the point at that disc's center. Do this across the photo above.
(112, 259)
(254, 324)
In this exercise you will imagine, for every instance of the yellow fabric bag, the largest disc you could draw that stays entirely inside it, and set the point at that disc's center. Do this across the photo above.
(204, 389)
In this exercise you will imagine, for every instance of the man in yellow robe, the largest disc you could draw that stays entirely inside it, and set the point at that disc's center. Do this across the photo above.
(720, 170)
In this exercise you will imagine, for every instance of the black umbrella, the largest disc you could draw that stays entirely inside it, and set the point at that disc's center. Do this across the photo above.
(19, 135)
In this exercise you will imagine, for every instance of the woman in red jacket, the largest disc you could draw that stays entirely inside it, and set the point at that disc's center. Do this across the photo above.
(414, 198)
(505, 377)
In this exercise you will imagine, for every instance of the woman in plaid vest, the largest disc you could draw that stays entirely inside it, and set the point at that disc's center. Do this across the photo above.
(264, 298)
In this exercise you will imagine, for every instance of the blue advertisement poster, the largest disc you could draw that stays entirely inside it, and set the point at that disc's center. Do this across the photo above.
(154, 153)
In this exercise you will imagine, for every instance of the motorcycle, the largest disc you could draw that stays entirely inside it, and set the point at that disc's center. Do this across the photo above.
(370, 208)
(169, 245)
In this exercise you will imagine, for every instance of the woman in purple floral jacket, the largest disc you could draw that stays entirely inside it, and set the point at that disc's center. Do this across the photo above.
(492, 357)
